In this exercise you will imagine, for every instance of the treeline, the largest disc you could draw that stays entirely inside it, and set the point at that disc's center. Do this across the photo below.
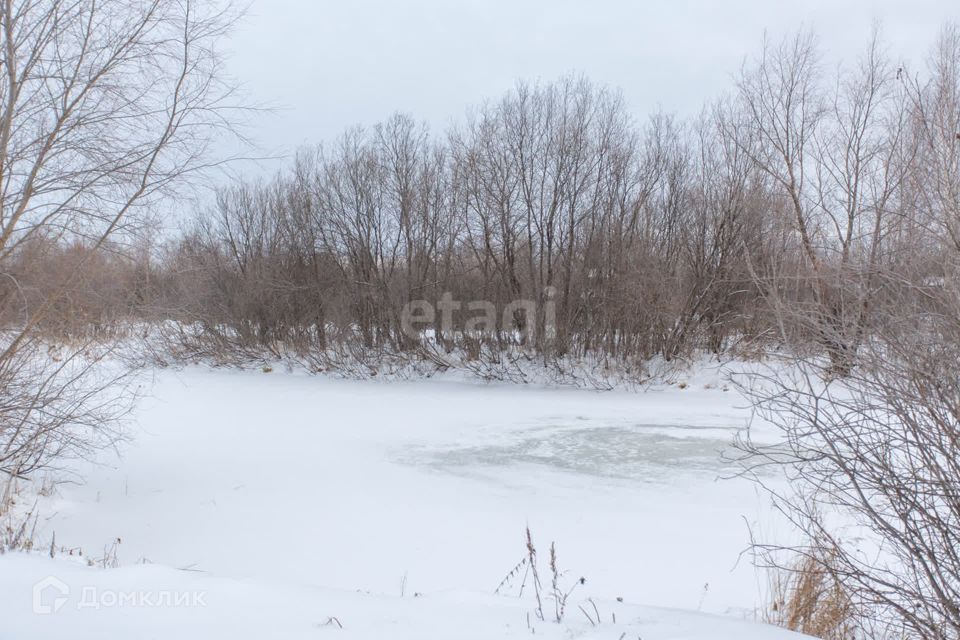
(638, 236)
(768, 217)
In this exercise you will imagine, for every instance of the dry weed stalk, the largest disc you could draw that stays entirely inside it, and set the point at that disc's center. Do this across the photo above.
(557, 592)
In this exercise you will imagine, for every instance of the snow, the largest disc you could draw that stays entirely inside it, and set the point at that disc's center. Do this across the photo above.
(231, 609)
(288, 499)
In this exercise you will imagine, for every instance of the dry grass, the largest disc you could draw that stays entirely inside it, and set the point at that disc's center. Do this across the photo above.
(18, 534)
(809, 598)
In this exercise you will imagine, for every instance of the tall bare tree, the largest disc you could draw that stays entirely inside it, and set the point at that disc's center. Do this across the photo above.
(106, 108)
(872, 457)
(836, 151)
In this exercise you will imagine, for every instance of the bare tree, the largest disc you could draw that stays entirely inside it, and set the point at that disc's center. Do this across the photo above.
(106, 108)
(871, 459)
(837, 155)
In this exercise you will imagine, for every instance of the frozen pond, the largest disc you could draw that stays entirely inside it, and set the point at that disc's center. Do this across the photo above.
(425, 486)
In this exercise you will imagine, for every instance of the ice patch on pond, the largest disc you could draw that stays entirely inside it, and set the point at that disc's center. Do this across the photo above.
(647, 453)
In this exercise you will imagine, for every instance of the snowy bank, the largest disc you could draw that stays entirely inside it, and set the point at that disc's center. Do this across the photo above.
(42, 598)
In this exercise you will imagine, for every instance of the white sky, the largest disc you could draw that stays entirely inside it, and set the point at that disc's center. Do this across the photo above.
(326, 64)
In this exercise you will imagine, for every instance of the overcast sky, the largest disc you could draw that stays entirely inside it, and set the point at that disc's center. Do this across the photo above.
(330, 64)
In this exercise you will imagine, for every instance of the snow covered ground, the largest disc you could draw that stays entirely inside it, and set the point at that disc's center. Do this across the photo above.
(296, 504)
